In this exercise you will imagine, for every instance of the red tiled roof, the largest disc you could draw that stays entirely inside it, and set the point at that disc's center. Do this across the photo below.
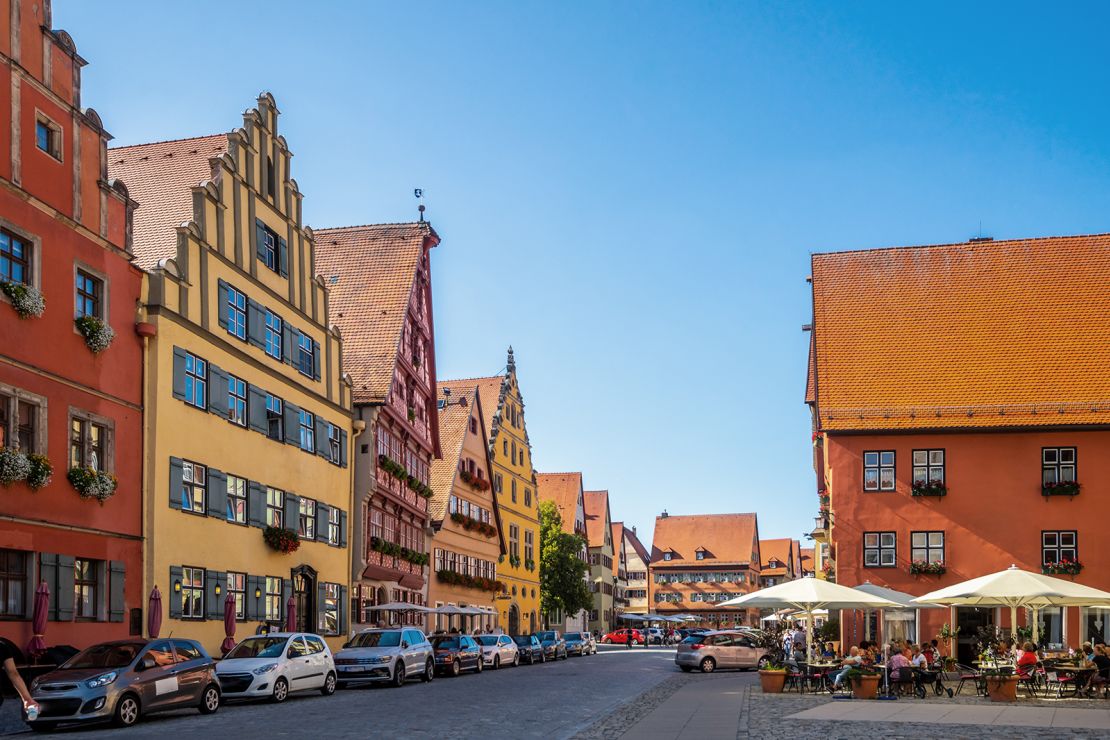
(985, 334)
(489, 390)
(596, 506)
(616, 532)
(780, 549)
(370, 271)
(728, 538)
(563, 489)
(454, 419)
(159, 177)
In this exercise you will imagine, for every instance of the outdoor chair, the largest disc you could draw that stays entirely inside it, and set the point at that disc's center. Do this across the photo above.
(967, 673)
(1031, 679)
(796, 677)
(1054, 679)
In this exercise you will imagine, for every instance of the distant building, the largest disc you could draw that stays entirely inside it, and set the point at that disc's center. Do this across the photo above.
(599, 533)
(807, 561)
(781, 562)
(565, 491)
(636, 560)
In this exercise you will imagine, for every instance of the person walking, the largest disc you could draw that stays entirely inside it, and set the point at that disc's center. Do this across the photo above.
(7, 661)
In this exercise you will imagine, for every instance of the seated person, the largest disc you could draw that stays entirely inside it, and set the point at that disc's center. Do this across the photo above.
(1088, 652)
(918, 660)
(852, 661)
(899, 666)
(828, 651)
(1028, 660)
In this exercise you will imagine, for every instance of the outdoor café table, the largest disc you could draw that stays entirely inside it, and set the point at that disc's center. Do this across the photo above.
(1080, 676)
(821, 671)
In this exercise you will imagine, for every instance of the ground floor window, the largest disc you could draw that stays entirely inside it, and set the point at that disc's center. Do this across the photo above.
(1095, 624)
(192, 593)
(900, 624)
(273, 600)
(329, 610)
(13, 584)
(237, 585)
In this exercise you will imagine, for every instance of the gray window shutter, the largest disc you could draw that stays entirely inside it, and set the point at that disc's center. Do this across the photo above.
(286, 592)
(213, 602)
(259, 239)
(292, 511)
(288, 343)
(252, 606)
(48, 571)
(179, 373)
(256, 504)
(256, 409)
(321, 594)
(217, 391)
(344, 610)
(323, 447)
(115, 591)
(342, 529)
(65, 588)
(315, 360)
(322, 522)
(256, 323)
(176, 481)
(217, 493)
(221, 291)
(283, 257)
(343, 447)
(292, 424)
(174, 596)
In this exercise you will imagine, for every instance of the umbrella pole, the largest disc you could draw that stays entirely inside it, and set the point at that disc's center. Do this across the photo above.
(1036, 625)
(1013, 622)
(809, 635)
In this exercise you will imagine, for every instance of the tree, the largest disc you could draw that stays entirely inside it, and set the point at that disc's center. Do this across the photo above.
(562, 570)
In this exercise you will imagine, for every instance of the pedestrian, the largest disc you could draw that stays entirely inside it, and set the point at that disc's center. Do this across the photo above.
(7, 660)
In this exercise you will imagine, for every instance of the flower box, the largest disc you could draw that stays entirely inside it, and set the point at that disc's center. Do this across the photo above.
(924, 567)
(1063, 567)
(92, 483)
(468, 581)
(14, 466)
(470, 524)
(929, 488)
(281, 539)
(1062, 488)
(478, 484)
(98, 335)
(26, 299)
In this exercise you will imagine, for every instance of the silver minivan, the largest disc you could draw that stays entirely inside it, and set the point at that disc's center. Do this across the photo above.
(720, 649)
(386, 655)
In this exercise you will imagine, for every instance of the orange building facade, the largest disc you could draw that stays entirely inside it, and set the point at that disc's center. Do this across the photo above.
(962, 424)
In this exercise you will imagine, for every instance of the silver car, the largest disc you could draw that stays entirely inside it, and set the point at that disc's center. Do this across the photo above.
(720, 649)
(124, 680)
(276, 665)
(580, 643)
(386, 655)
(498, 650)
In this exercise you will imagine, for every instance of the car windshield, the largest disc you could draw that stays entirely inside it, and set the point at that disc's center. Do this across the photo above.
(545, 635)
(112, 655)
(445, 643)
(519, 640)
(572, 637)
(376, 639)
(258, 647)
(487, 640)
(692, 640)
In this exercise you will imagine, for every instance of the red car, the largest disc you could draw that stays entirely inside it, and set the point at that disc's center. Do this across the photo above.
(621, 637)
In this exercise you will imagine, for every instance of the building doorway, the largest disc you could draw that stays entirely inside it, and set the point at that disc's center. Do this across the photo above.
(970, 620)
(514, 619)
(304, 596)
(532, 623)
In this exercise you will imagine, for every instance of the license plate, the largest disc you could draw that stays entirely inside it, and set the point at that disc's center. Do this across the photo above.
(352, 668)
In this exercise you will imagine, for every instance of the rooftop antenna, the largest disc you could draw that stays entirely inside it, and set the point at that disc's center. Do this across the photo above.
(419, 194)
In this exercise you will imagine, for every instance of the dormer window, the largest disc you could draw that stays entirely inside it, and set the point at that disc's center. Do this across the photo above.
(700, 555)
(666, 556)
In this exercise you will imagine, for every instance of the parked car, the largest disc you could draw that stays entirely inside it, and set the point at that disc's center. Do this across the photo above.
(530, 647)
(498, 650)
(623, 636)
(580, 643)
(125, 680)
(275, 665)
(456, 653)
(385, 655)
(655, 636)
(685, 632)
(554, 646)
(720, 649)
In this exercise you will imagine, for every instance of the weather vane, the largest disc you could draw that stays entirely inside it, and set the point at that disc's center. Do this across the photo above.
(419, 194)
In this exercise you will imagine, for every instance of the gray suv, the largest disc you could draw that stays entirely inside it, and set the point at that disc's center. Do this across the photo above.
(720, 649)
(126, 679)
(386, 655)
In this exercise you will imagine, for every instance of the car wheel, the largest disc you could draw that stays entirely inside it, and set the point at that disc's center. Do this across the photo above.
(281, 690)
(707, 665)
(329, 685)
(429, 671)
(399, 675)
(481, 666)
(127, 711)
(516, 660)
(210, 700)
(456, 668)
(496, 662)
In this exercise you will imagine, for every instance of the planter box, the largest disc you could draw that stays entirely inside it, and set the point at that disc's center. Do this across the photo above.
(1061, 489)
(1002, 688)
(865, 687)
(772, 681)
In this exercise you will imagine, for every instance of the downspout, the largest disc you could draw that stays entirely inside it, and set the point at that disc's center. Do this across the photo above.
(358, 426)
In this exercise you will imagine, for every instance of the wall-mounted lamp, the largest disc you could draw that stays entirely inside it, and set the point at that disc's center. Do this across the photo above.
(177, 587)
(258, 593)
(218, 589)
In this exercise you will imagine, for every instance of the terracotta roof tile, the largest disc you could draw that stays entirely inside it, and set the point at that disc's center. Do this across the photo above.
(630, 536)
(596, 505)
(454, 420)
(616, 532)
(963, 335)
(159, 177)
(728, 538)
(780, 549)
(563, 489)
(489, 390)
(370, 271)
(807, 558)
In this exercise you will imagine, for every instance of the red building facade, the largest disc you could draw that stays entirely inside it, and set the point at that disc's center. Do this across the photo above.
(64, 238)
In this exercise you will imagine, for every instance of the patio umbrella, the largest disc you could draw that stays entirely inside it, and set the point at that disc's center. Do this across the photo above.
(1015, 588)
(229, 623)
(154, 613)
(290, 615)
(36, 645)
(807, 595)
(400, 606)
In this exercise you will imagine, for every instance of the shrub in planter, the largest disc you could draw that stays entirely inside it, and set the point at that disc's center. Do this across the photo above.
(41, 471)
(865, 683)
(14, 465)
(772, 677)
(26, 299)
(92, 483)
(281, 539)
(98, 335)
(1063, 567)
(1061, 488)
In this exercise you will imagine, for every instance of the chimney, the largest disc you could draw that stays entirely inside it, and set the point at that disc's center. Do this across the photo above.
(633, 529)
(664, 514)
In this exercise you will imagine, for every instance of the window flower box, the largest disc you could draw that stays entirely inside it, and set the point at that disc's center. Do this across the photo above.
(1060, 488)
(1064, 567)
(419, 487)
(92, 483)
(394, 468)
(929, 488)
(530, 564)
(470, 524)
(514, 561)
(478, 484)
(925, 567)
(98, 335)
(14, 465)
(26, 299)
(41, 471)
(377, 544)
(468, 581)
(281, 539)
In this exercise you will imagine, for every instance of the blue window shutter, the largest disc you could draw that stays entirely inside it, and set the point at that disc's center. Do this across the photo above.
(343, 447)
(256, 504)
(177, 479)
(213, 603)
(259, 239)
(115, 591)
(221, 291)
(292, 511)
(292, 424)
(218, 391)
(322, 523)
(252, 607)
(323, 446)
(174, 596)
(256, 323)
(342, 529)
(217, 494)
(65, 588)
(289, 349)
(315, 360)
(256, 409)
(179, 373)
(283, 257)
(48, 571)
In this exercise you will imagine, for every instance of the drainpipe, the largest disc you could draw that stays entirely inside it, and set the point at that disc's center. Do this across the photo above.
(358, 426)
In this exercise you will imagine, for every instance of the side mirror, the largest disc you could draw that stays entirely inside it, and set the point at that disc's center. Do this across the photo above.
(404, 645)
(147, 663)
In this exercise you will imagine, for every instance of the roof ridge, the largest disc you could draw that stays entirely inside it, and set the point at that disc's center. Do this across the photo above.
(465, 380)
(370, 226)
(962, 244)
(166, 141)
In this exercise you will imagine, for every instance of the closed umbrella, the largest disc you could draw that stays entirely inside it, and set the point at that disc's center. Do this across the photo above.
(229, 623)
(154, 613)
(291, 615)
(37, 644)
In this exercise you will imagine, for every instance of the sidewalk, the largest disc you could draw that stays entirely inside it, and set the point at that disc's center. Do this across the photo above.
(960, 714)
(700, 710)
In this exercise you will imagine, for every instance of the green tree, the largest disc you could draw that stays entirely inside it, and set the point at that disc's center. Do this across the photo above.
(562, 572)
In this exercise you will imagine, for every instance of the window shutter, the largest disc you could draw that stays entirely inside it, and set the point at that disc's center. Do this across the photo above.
(174, 596)
(252, 606)
(292, 424)
(283, 257)
(65, 588)
(343, 447)
(256, 324)
(315, 360)
(256, 504)
(256, 409)
(179, 373)
(176, 482)
(292, 512)
(221, 291)
(288, 343)
(259, 239)
(217, 494)
(322, 522)
(218, 391)
(323, 446)
(115, 591)
(286, 592)
(342, 529)
(48, 571)
(321, 594)
(213, 602)
(344, 609)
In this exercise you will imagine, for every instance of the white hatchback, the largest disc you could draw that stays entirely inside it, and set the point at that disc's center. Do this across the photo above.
(498, 650)
(275, 665)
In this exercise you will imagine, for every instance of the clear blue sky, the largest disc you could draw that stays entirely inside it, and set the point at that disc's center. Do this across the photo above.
(628, 193)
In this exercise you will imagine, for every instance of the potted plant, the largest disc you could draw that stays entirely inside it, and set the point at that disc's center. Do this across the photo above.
(92, 483)
(1001, 684)
(14, 465)
(41, 471)
(772, 677)
(281, 539)
(865, 682)
(26, 299)
(98, 335)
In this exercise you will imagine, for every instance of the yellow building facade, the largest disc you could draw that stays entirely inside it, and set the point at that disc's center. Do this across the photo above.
(248, 417)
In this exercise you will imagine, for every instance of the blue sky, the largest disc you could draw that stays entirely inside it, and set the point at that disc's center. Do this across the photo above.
(628, 193)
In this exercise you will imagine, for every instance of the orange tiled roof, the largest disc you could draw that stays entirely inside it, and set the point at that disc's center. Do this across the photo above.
(807, 558)
(779, 549)
(630, 536)
(159, 177)
(985, 334)
(616, 532)
(728, 538)
(563, 489)
(454, 419)
(370, 271)
(489, 390)
(596, 505)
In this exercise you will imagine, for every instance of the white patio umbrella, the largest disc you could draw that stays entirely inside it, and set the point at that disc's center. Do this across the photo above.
(808, 595)
(400, 606)
(1015, 588)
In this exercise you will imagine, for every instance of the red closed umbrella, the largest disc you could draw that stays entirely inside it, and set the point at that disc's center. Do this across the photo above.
(36, 645)
(154, 613)
(229, 623)
(291, 615)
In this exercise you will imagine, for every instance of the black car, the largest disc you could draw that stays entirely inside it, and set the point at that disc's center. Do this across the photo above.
(531, 650)
(554, 647)
(456, 653)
